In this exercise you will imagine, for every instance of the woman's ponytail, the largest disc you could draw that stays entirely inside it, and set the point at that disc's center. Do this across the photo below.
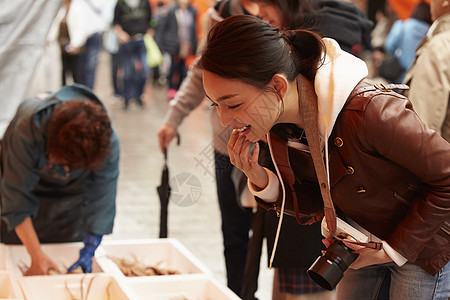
(307, 50)
(245, 48)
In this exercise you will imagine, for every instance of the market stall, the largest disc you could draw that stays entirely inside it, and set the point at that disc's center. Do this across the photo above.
(160, 269)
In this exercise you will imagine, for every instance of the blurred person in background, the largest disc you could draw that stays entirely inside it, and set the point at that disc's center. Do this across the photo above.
(236, 219)
(111, 45)
(59, 171)
(342, 21)
(47, 74)
(429, 76)
(176, 34)
(69, 54)
(406, 35)
(384, 19)
(159, 74)
(86, 22)
(131, 21)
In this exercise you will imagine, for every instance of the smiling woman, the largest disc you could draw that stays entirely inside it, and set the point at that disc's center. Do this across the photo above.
(242, 106)
(269, 83)
(256, 99)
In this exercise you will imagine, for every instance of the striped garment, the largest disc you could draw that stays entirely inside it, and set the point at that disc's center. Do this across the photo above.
(296, 281)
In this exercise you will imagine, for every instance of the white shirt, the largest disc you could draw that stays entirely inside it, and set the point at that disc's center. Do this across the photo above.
(86, 17)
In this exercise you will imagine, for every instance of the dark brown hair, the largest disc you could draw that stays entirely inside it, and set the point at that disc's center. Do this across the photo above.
(79, 133)
(422, 12)
(294, 12)
(245, 48)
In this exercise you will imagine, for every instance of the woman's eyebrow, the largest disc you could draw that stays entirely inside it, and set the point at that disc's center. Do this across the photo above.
(225, 97)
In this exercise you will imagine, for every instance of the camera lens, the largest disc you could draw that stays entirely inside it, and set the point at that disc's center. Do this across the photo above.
(329, 268)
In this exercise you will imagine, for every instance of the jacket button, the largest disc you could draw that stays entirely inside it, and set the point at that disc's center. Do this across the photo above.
(361, 190)
(338, 142)
(350, 170)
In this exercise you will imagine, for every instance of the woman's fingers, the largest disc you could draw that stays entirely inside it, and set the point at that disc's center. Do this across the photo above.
(239, 151)
(235, 150)
(244, 155)
(233, 138)
(362, 250)
(230, 146)
(327, 242)
(255, 155)
(353, 246)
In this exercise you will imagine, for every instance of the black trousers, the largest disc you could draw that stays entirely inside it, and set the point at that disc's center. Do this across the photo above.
(236, 223)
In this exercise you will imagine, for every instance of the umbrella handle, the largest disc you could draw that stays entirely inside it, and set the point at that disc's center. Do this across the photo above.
(165, 148)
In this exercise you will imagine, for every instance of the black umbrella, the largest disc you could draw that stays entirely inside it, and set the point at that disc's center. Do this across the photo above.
(164, 195)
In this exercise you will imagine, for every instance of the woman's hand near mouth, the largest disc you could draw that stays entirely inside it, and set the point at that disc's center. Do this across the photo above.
(239, 152)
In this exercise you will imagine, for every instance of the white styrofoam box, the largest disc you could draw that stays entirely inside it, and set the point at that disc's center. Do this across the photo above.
(62, 254)
(2, 257)
(9, 288)
(76, 286)
(193, 287)
(165, 253)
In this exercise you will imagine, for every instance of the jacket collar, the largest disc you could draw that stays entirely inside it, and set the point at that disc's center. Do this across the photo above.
(334, 82)
(440, 25)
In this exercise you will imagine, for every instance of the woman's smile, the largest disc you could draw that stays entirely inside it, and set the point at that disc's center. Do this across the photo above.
(241, 106)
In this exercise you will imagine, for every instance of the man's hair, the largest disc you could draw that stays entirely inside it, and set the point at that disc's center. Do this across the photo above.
(79, 133)
(294, 12)
(422, 12)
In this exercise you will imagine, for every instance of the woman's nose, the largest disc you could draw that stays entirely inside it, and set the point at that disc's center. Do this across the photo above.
(225, 117)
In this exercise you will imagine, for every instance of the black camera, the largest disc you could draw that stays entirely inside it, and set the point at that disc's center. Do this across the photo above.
(329, 268)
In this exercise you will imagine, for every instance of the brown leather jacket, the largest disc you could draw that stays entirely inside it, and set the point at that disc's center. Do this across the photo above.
(391, 174)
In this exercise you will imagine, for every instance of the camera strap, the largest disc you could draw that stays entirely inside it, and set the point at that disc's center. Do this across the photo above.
(309, 111)
(371, 245)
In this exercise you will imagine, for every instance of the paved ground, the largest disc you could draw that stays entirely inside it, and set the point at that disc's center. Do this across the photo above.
(196, 226)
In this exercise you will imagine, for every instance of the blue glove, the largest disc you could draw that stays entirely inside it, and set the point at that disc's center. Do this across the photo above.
(91, 242)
